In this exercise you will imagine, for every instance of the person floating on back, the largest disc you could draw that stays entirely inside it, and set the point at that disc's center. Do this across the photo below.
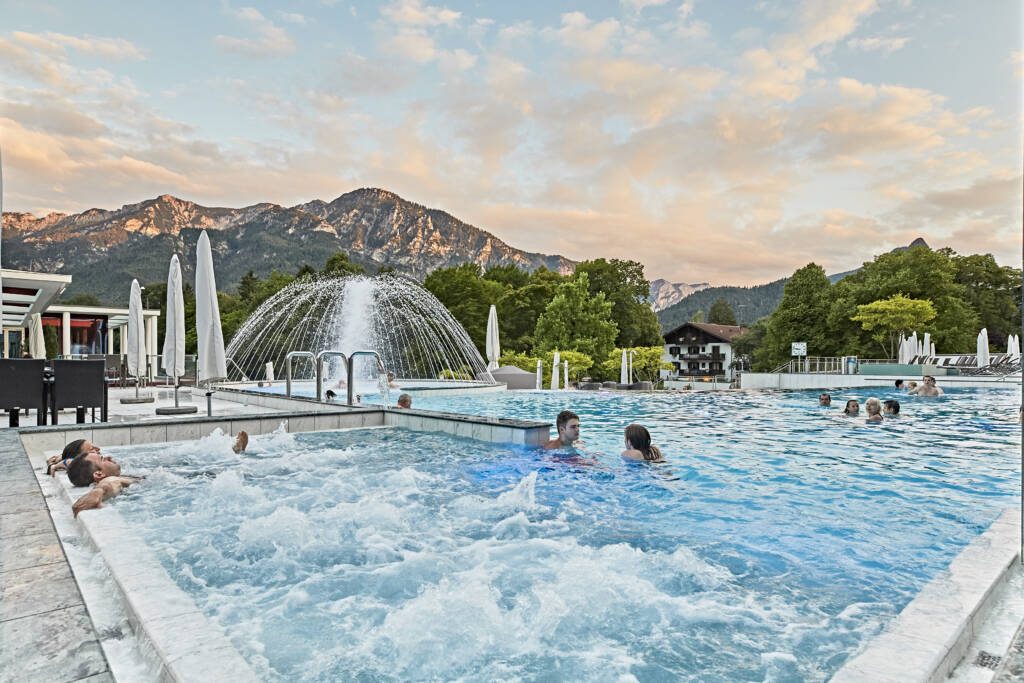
(874, 409)
(568, 425)
(638, 445)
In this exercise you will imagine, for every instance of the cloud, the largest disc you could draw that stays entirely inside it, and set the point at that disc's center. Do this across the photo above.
(415, 13)
(580, 33)
(878, 44)
(292, 17)
(640, 5)
(110, 48)
(270, 40)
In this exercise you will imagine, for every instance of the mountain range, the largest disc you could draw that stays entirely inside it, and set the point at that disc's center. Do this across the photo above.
(103, 250)
(665, 293)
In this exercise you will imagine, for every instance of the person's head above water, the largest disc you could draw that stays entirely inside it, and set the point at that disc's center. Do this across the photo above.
(873, 406)
(892, 407)
(639, 439)
(92, 467)
(899, 384)
(405, 401)
(568, 425)
(852, 407)
(78, 447)
(824, 400)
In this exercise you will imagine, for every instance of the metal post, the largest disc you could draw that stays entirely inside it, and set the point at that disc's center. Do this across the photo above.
(351, 370)
(209, 404)
(320, 370)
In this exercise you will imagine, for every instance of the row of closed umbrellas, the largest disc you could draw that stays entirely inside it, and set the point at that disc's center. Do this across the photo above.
(910, 347)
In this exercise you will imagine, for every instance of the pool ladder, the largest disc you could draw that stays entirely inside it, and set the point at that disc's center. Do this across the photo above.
(318, 360)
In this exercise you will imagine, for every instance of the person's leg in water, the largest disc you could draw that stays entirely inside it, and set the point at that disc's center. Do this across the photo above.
(241, 442)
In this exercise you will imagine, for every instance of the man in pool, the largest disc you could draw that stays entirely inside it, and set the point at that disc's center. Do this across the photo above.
(899, 385)
(405, 401)
(824, 400)
(568, 425)
(891, 407)
(73, 449)
(104, 474)
(927, 388)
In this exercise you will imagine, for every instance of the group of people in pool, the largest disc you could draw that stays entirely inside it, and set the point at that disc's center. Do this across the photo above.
(637, 439)
(876, 408)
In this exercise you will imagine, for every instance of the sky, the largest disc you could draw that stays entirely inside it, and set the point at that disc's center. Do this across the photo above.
(725, 142)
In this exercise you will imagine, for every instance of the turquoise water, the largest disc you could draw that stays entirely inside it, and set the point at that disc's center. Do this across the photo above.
(774, 542)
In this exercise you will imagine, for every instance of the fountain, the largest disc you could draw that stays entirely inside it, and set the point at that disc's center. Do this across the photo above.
(412, 332)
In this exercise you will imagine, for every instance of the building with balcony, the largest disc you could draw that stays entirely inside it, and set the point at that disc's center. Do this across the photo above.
(698, 350)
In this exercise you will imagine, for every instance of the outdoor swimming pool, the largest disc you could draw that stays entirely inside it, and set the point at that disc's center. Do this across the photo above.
(777, 539)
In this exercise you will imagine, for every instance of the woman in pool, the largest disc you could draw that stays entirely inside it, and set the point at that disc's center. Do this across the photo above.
(852, 408)
(874, 408)
(638, 445)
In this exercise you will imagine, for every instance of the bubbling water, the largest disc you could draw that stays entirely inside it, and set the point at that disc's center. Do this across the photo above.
(414, 334)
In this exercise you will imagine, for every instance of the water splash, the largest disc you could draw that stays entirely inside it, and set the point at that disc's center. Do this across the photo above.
(413, 332)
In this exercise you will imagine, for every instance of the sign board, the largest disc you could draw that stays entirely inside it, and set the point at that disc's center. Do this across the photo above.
(799, 349)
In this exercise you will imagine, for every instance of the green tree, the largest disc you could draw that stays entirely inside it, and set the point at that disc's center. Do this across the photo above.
(801, 315)
(992, 292)
(647, 364)
(916, 273)
(510, 275)
(579, 364)
(576, 320)
(82, 300)
(523, 361)
(888, 318)
(697, 317)
(467, 296)
(721, 313)
(624, 285)
(518, 312)
(340, 264)
(746, 347)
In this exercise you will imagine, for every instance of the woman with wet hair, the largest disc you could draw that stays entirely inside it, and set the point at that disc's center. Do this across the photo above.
(638, 445)
(852, 408)
(75, 448)
(874, 408)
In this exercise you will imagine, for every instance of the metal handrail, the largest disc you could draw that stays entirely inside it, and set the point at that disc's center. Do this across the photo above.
(320, 370)
(231, 361)
(351, 369)
(288, 367)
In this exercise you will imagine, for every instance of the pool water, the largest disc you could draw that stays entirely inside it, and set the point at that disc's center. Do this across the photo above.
(774, 542)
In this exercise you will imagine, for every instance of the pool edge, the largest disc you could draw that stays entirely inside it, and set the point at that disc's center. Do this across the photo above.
(932, 634)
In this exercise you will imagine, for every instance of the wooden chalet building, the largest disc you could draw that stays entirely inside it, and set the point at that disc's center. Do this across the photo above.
(700, 350)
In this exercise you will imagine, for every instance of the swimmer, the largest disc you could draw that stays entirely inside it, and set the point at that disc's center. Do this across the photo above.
(928, 388)
(568, 425)
(899, 385)
(638, 445)
(891, 407)
(852, 408)
(103, 473)
(78, 447)
(824, 400)
(392, 384)
(874, 409)
(911, 387)
(405, 401)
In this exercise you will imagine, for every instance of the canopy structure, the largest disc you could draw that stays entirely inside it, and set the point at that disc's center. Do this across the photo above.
(983, 357)
(211, 362)
(173, 360)
(493, 345)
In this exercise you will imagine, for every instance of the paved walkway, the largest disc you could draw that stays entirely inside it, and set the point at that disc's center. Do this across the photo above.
(45, 631)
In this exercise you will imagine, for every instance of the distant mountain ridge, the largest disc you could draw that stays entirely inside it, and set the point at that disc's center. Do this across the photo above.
(665, 293)
(749, 304)
(103, 250)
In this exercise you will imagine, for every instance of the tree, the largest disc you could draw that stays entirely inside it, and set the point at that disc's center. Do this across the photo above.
(801, 315)
(992, 292)
(579, 364)
(624, 285)
(888, 318)
(467, 296)
(916, 273)
(697, 317)
(523, 361)
(339, 264)
(721, 313)
(82, 300)
(745, 348)
(647, 364)
(510, 275)
(518, 312)
(576, 320)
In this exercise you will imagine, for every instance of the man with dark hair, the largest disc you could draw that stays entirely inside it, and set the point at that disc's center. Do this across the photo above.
(104, 474)
(824, 400)
(927, 387)
(568, 425)
(899, 385)
(75, 448)
(891, 407)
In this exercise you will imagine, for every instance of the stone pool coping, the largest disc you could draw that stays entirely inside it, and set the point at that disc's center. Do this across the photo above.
(934, 631)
